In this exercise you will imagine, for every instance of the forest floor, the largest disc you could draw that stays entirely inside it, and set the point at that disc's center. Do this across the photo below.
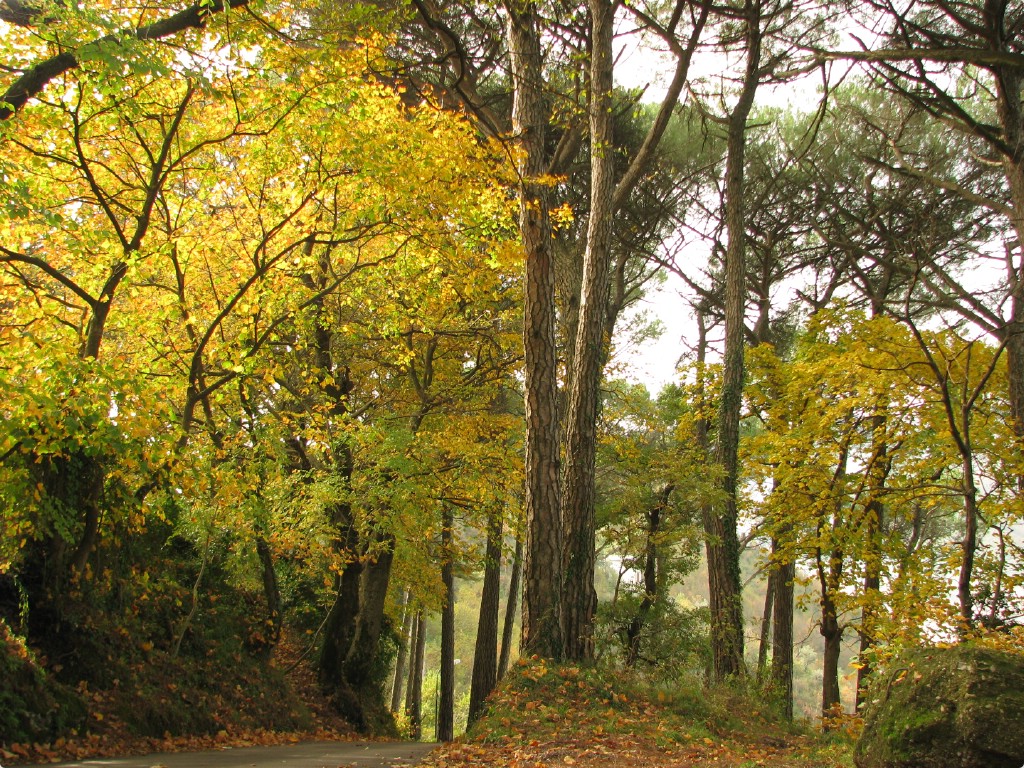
(541, 716)
(548, 717)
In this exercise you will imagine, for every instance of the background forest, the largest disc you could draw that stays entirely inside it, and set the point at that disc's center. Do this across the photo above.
(288, 291)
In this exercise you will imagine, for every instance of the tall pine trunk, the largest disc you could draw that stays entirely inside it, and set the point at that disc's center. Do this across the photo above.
(720, 521)
(542, 619)
(579, 604)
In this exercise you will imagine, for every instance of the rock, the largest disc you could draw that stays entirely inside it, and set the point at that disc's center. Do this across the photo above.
(960, 707)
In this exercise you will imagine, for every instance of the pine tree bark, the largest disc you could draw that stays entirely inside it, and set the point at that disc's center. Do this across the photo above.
(721, 537)
(579, 604)
(542, 628)
(485, 654)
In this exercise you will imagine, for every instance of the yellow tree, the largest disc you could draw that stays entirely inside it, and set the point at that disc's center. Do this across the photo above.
(260, 244)
(817, 449)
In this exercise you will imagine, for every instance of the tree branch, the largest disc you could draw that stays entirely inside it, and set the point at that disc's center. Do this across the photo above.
(37, 78)
(981, 57)
(10, 256)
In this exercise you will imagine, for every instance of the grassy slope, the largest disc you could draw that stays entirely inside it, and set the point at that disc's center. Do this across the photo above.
(552, 716)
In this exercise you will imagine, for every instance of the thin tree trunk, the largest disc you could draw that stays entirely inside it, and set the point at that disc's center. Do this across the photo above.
(485, 655)
(970, 540)
(414, 697)
(510, 609)
(830, 580)
(634, 631)
(542, 619)
(766, 625)
(271, 592)
(446, 710)
(403, 651)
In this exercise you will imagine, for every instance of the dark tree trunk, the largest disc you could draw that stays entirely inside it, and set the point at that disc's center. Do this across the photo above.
(634, 631)
(874, 512)
(510, 609)
(362, 655)
(75, 483)
(542, 620)
(485, 654)
(782, 628)
(833, 634)
(352, 634)
(271, 593)
(339, 628)
(446, 711)
(414, 697)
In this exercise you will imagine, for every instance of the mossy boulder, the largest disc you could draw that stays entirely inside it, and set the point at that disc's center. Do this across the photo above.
(960, 707)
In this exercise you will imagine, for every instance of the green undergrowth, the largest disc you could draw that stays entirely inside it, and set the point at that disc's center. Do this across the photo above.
(125, 663)
(32, 703)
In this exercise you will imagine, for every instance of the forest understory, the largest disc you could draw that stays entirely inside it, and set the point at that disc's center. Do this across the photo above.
(541, 715)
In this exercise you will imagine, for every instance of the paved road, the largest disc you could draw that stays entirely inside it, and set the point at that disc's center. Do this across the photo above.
(321, 754)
